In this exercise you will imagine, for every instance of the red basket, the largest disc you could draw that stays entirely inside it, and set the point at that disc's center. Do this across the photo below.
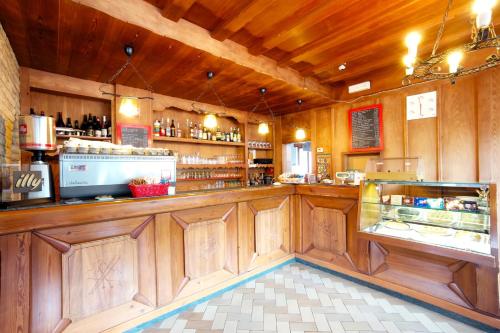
(149, 190)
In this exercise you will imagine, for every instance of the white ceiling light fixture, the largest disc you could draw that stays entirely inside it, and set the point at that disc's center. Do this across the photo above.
(483, 37)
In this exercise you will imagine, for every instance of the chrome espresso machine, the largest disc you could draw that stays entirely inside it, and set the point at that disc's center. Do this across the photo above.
(91, 175)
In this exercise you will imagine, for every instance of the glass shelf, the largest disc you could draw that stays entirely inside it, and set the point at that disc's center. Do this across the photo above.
(475, 212)
(422, 183)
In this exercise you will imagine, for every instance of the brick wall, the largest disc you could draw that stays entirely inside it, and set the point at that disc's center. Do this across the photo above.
(9, 102)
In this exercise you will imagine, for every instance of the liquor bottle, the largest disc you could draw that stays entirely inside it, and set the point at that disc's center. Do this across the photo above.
(110, 128)
(59, 122)
(228, 137)
(172, 129)
(84, 123)
(217, 134)
(76, 126)
(200, 132)
(167, 128)
(156, 128)
(214, 136)
(97, 124)
(89, 120)
(194, 131)
(32, 111)
(68, 122)
(209, 135)
(179, 131)
(204, 135)
(163, 132)
(104, 129)
(90, 129)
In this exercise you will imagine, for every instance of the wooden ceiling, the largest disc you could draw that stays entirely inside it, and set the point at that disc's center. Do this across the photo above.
(307, 37)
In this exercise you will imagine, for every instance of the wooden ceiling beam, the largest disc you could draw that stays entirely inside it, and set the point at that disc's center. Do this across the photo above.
(228, 27)
(175, 9)
(147, 16)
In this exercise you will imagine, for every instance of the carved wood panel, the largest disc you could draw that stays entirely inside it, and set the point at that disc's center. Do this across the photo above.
(99, 275)
(197, 249)
(456, 281)
(82, 278)
(264, 231)
(329, 232)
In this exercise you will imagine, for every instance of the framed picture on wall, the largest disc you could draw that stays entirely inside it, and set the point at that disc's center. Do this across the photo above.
(366, 130)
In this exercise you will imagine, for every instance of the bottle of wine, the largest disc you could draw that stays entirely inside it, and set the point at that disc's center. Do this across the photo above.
(68, 122)
(104, 129)
(98, 125)
(90, 129)
(59, 121)
(84, 123)
(194, 131)
(204, 135)
(76, 125)
(172, 129)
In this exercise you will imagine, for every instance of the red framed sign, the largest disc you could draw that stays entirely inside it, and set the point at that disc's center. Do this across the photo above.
(366, 129)
(138, 136)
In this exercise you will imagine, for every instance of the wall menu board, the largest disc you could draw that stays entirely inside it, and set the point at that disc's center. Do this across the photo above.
(366, 129)
(138, 136)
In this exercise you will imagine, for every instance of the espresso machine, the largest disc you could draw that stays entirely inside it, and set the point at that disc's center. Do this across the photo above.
(37, 134)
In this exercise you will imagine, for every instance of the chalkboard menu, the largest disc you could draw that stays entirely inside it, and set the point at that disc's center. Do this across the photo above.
(366, 129)
(135, 135)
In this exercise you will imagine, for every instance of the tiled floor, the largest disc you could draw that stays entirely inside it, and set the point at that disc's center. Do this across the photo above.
(298, 298)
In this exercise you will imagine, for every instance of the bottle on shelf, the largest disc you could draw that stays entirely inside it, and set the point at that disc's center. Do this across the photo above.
(172, 129)
(32, 112)
(98, 127)
(163, 131)
(59, 121)
(104, 129)
(179, 131)
(238, 135)
(42, 113)
(167, 128)
(76, 126)
(84, 123)
(68, 123)
(110, 128)
(90, 129)
(156, 128)
(194, 131)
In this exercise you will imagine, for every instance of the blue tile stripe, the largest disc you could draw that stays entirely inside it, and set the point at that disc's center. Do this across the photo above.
(415, 301)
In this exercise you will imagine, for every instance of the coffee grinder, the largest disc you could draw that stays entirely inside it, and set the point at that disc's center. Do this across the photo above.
(37, 134)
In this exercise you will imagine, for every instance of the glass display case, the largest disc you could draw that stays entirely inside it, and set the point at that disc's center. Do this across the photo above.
(450, 215)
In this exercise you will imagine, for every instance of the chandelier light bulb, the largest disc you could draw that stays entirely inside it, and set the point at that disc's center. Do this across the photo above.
(411, 41)
(483, 10)
(454, 59)
(263, 128)
(210, 121)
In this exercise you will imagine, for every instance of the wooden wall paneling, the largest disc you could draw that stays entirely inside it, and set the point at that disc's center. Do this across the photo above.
(46, 287)
(427, 273)
(163, 255)
(459, 131)
(210, 246)
(269, 221)
(147, 259)
(15, 282)
(326, 224)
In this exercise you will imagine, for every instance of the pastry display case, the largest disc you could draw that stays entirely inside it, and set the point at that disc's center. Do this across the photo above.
(457, 216)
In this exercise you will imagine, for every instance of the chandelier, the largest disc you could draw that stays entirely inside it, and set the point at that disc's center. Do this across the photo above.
(433, 68)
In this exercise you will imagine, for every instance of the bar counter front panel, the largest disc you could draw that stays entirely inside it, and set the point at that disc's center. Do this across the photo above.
(95, 266)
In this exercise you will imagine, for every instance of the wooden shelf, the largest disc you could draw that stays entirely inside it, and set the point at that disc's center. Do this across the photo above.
(210, 166)
(204, 179)
(59, 136)
(195, 141)
(257, 166)
(260, 148)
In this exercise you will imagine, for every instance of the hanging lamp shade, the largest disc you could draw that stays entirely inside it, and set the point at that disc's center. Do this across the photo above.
(300, 134)
(210, 121)
(263, 128)
(129, 106)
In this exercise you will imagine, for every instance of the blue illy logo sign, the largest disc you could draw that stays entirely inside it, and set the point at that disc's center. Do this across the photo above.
(27, 181)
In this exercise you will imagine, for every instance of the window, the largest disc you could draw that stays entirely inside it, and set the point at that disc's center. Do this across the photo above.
(297, 158)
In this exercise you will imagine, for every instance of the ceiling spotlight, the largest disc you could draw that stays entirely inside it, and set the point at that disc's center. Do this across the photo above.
(342, 66)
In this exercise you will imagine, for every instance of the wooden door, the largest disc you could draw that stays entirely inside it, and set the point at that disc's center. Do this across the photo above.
(197, 249)
(329, 231)
(93, 276)
(264, 231)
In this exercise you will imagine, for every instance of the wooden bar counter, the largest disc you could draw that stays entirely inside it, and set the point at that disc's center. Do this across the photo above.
(112, 265)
